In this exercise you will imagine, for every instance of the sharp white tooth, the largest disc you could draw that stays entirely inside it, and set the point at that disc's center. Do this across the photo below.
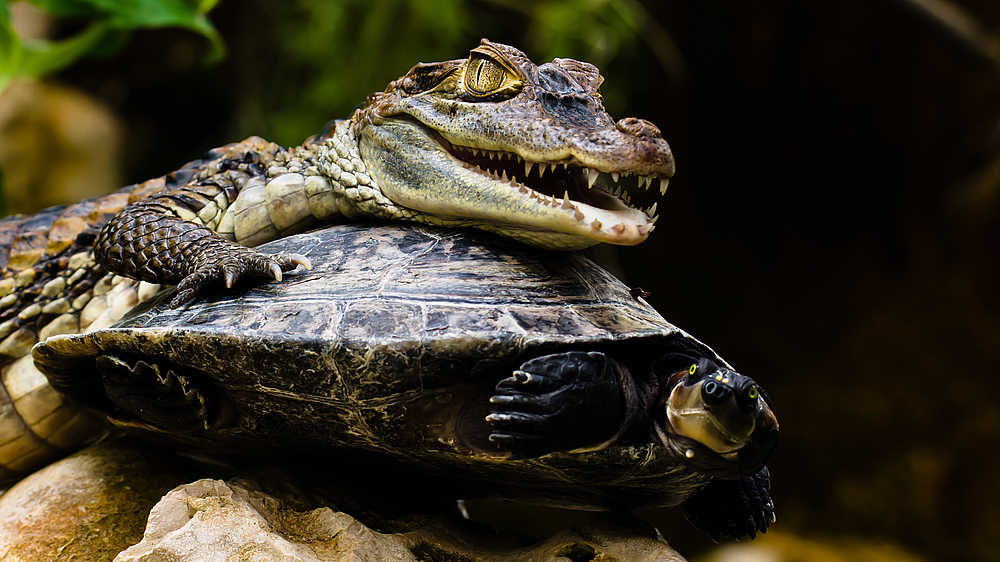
(592, 177)
(541, 169)
(620, 228)
(577, 214)
(614, 176)
(519, 157)
(504, 175)
(652, 210)
(663, 185)
(618, 191)
(653, 220)
(553, 166)
(596, 225)
(565, 165)
(528, 165)
(651, 227)
(642, 181)
(566, 204)
(523, 189)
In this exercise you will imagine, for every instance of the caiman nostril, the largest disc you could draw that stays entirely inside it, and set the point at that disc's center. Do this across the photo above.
(638, 127)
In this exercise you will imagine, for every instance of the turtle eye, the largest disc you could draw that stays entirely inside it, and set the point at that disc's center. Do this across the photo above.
(485, 77)
(693, 369)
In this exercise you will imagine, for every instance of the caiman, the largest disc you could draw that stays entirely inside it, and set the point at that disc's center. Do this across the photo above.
(492, 141)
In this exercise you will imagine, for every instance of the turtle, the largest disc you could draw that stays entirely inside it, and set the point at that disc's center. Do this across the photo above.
(481, 366)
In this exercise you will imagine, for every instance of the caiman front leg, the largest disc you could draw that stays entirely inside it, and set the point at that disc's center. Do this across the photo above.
(173, 236)
(144, 242)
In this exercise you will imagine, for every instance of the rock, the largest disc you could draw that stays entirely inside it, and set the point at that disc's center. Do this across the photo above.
(88, 506)
(214, 520)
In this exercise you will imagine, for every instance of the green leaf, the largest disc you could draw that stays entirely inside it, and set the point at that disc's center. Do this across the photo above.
(44, 57)
(131, 14)
(10, 49)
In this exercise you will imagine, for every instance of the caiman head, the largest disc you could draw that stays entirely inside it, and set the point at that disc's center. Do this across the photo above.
(504, 145)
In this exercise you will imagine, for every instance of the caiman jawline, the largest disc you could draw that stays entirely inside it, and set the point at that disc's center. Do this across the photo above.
(591, 195)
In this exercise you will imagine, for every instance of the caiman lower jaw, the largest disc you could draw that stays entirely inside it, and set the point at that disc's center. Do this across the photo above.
(419, 170)
(594, 198)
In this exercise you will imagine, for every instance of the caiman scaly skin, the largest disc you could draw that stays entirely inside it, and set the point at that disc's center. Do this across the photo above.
(493, 142)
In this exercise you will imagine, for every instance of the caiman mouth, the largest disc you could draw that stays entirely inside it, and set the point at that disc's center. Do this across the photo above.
(594, 197)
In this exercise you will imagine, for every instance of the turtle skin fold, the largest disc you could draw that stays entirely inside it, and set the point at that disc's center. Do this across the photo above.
(733, 508)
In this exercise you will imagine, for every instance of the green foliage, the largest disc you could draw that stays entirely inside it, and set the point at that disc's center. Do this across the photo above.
(333, 53)
(108, 20)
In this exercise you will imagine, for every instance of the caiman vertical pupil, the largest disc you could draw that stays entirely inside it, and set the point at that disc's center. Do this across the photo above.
(484, 76)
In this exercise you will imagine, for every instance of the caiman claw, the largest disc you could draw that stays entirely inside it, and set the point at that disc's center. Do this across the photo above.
(230, 265)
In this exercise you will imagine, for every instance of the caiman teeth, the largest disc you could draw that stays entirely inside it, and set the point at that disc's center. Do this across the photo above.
(566, 201)
(592, 198)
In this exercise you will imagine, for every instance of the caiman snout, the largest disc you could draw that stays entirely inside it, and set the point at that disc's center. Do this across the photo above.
(638, 127)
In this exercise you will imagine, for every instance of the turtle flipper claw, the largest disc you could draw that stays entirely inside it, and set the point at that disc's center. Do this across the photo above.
(733, 508)
(557, 402)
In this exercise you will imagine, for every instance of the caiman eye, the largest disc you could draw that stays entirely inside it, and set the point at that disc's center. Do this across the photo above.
(484, 76)
(752, 392)
(693, 369)
(488, 78)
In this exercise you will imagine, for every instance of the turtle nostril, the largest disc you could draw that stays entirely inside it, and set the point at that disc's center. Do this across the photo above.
(714, 393)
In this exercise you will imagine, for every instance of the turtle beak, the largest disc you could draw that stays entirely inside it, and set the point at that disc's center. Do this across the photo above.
(708, 413)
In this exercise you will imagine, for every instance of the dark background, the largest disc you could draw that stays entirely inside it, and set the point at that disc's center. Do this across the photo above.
(832, 228)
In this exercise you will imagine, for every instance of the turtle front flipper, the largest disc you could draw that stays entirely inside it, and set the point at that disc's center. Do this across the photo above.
(161, 396)
(733, 508)
(560, 402)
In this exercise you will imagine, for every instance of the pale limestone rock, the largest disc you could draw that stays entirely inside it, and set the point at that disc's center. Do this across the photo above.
(210, 520)
(213, 520)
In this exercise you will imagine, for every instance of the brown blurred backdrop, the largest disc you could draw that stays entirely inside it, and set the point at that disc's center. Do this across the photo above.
(832, 230)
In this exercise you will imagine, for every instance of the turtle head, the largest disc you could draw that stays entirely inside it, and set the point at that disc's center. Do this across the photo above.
(716, 420)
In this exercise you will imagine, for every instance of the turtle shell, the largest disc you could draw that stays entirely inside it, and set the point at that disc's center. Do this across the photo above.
(384, 355)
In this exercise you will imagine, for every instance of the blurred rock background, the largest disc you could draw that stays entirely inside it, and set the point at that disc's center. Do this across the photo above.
(832, 229)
